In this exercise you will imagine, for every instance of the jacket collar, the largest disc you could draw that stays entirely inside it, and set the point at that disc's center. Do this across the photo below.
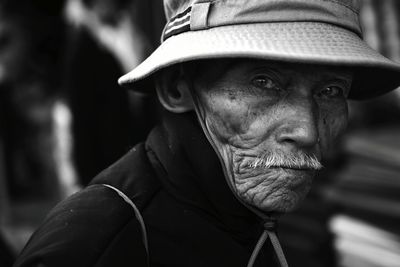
(191, 172)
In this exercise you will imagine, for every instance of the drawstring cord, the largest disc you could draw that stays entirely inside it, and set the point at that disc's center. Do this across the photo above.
(269, 231)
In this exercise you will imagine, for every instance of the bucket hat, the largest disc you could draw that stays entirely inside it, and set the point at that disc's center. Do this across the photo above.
(325, 32)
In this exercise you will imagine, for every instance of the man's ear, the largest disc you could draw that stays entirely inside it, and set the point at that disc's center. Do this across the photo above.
(173, 91)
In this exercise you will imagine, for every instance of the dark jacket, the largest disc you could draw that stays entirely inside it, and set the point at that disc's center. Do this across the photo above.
(176, 181)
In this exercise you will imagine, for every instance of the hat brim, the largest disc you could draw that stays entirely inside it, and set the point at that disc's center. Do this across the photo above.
(299, 42)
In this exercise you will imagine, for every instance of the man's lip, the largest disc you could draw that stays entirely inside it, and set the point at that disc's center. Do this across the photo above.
(292, 168)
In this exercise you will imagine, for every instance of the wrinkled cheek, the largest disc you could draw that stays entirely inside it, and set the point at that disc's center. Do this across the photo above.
(334, 125)
(227, 122)
(337, 127)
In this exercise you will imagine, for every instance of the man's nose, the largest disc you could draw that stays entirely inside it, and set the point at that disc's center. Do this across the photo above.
(300, 125)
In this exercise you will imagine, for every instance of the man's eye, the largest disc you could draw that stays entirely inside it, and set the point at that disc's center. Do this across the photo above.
(265, 83)
(331, 92)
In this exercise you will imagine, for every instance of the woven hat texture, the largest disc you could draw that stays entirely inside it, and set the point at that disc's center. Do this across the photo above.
(323, 32)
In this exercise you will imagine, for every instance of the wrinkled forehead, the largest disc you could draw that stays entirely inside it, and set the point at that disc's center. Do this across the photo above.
(207, 71)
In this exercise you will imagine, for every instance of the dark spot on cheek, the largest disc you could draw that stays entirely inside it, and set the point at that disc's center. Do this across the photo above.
(324, 120)
(237, 127)
(238, 121)
(232, 95)
(227, 124)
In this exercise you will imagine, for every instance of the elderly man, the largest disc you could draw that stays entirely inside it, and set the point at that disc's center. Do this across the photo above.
(255, 92)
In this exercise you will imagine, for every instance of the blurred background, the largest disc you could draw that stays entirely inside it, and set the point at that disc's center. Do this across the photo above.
(63, 119)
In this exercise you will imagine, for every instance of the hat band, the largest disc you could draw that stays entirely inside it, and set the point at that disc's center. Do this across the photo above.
(209, 14)
(178, 24)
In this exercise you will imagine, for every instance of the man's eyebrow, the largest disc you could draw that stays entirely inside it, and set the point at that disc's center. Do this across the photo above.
(229, 64)
(269, 68)
(219, 68)
(334, 75)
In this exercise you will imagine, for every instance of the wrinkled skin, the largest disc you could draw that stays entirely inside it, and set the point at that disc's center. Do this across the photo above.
(251, 107)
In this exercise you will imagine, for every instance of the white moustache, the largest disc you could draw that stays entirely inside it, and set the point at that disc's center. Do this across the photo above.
(285, 160)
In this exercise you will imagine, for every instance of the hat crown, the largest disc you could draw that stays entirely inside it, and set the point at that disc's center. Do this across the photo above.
(325, 32)
(203, 14)
(174, 7)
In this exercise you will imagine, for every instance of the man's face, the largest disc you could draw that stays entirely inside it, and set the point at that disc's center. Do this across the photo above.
(270, 124)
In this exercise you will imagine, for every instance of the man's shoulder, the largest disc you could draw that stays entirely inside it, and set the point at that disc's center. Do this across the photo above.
(84, 230)
(134, 174)
(96, 226)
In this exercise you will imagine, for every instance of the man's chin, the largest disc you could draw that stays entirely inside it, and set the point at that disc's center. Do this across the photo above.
(280, 202)
(278, 191)
(278, 207)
